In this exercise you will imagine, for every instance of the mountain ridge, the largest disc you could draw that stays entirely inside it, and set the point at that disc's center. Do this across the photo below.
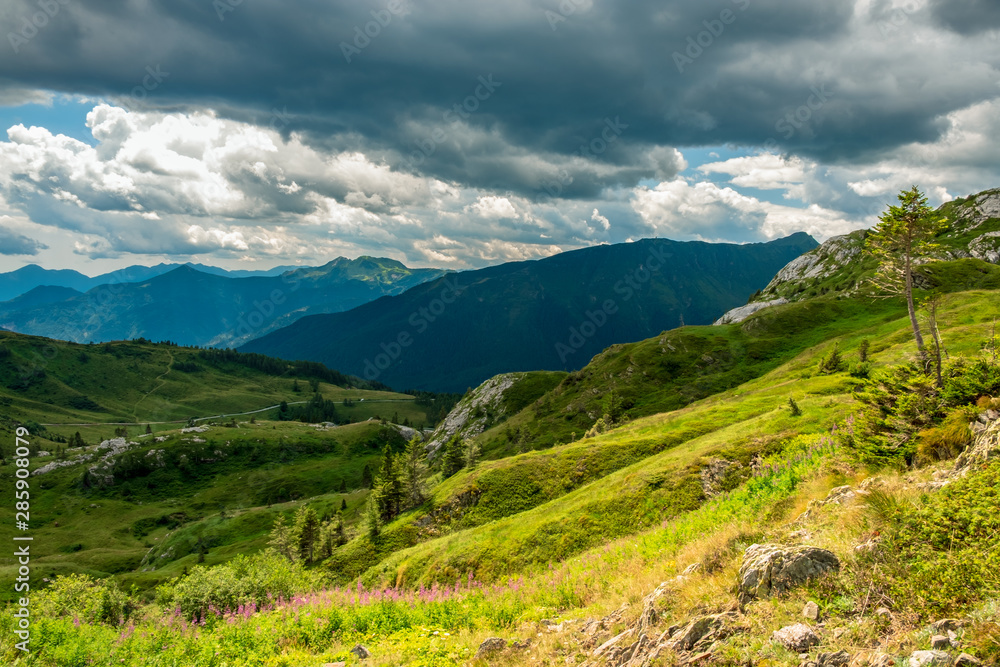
(489, 321)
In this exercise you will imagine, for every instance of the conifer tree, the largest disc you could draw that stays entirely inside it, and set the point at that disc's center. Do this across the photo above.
(306, 533)
(281, 538)
(904, 234)
(414, 471)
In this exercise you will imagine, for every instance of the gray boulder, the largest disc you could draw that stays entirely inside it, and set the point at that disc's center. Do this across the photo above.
(771, 569)
(929, 659)
(490, 647)
(798, 638)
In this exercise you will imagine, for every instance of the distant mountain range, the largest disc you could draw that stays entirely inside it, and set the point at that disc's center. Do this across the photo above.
(192, 304)
(549, 314)
(27, 278)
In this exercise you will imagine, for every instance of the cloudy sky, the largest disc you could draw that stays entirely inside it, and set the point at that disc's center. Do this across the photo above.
(253, 133)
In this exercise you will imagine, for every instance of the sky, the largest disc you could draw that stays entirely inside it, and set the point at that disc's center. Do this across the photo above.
(460, 134)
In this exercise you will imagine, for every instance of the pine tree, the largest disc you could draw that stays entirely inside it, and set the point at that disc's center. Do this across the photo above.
(306, 533)
(390, 487)
(472, 453)
(281, 538)
(343, 485)
(414, 471)
(343, 504)
(454, 456)
(904, 233)
(366, 478)
(295, 387)
(373, 522)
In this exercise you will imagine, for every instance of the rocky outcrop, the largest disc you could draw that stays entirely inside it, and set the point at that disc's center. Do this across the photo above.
(771, 569)
(821, 262)
(985, 442)
(475, 413)
(741, 313)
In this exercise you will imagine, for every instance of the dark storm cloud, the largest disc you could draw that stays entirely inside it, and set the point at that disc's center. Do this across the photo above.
(968, 17)
(563, 69)
(12, 243)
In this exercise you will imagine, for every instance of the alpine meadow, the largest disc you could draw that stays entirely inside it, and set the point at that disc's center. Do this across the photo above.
(540, 332)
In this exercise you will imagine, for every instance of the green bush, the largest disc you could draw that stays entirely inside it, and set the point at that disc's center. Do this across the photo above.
(901, 402)
(244, 580)
(85, 599)
(941, 557)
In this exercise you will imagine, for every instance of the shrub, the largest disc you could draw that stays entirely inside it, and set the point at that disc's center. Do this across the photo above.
(947, 440)
(794, 407)
(244, 580)
(832, 362)
(941, 557)
(86, 599)
(861, 370)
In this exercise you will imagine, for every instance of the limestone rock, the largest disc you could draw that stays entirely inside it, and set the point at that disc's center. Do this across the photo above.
(873, 659)
(929, 659)
(966, 660)
(771, 569)
(490, 646)
(743, 312)
(798, 637)
(838, 659)
(696, 631)
(940, 642)
(985, 446)
(811, 611)
(361, 652)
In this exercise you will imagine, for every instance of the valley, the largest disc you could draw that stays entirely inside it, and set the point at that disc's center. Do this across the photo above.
(228, 507)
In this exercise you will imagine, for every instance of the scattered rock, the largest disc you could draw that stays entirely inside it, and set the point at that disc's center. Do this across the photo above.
(883, 613)
(811, 611)
(770, 569)
(838, 659)
(841, 495)
(698, 631)
(714, 474)
(940, 642)
(929, 658)
(361, 652)
(966, 660)
(489, 647)
(873, 660)
(945, 625)
(798, 637)
(334, 664)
